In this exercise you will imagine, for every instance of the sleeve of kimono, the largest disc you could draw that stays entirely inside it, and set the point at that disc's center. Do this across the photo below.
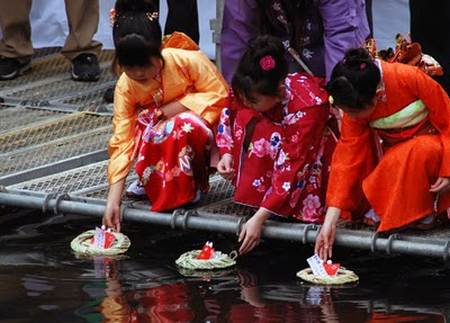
(209, 92)
(300, 145)
(121, 144)
(353, 159)
(438, 104)
(345, 26)
(224, 137)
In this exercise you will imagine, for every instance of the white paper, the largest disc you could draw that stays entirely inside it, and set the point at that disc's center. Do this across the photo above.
(316, 265)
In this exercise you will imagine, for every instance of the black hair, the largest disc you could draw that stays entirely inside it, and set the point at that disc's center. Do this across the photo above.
(250, 76)
(136, 33)
(354, 80)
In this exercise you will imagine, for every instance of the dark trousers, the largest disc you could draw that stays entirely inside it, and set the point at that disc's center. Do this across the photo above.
(369, 16)
(82, 16)
(182, 16)
(430, 27)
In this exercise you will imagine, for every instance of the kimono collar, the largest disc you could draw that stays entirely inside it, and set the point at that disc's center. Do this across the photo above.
(382, 96)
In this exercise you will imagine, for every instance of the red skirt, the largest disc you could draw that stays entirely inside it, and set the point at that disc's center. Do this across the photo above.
(173, 159)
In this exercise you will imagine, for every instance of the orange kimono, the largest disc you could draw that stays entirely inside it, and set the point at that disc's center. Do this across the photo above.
(393, 157)
(172, 155)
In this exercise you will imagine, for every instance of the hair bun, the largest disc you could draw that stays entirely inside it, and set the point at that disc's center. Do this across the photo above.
(356, 56)
(342, 86)
(139, 6)
(266, 45)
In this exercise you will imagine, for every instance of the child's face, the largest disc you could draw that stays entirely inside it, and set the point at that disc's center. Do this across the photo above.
(263, 103)
(143, 74)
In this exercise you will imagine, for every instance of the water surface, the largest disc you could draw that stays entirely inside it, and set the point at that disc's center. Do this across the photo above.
(42, 281)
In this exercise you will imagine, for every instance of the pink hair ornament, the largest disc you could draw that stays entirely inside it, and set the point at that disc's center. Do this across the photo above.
(267, 63)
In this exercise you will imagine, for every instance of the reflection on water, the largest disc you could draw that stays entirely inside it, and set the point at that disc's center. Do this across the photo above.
(42, 281)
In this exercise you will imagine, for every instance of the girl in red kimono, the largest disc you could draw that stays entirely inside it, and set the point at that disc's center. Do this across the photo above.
(166, 102)
(394, 150)
(274, 140)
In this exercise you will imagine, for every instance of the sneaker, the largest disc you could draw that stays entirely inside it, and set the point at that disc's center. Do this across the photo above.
(136, 190)
(108, 96)
(85, 68)
(371, 218)
(11, 68)
(198, 197)
(426, 223)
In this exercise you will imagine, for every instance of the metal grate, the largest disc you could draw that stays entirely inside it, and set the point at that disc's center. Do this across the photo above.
(44, 94)
(219, 189)
(101, 192)
(70, 125)
(46, 51)
(16, 117)
(69, 181)
(55, 151)
(89, 101)
(228, 207)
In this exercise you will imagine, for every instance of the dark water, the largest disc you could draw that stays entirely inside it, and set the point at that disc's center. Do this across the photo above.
(42, 281)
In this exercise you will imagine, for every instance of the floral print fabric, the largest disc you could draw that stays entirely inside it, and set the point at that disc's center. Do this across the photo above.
(282, 157)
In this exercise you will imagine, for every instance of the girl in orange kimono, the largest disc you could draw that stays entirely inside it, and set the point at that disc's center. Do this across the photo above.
(166, 103)
(394, 150)
(274, 139)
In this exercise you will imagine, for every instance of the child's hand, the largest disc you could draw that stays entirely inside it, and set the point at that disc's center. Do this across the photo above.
(327, 234)
(251, 231)
(111, 218)
(171, 109)
(442, 184)
(250, 234)
(225, 166)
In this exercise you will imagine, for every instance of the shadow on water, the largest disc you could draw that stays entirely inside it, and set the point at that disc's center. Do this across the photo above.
(42, 281)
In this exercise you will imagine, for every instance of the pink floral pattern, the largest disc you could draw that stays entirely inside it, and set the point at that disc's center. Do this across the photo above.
(285, 165)
(311, 207)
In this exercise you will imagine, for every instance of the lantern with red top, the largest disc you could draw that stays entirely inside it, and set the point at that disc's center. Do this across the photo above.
(331, 268)
(103, 238)
(207, 251)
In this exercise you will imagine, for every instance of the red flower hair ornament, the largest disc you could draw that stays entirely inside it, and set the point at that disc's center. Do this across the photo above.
(267, 63)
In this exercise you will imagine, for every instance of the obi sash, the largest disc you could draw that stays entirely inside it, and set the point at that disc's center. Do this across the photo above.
(405, 124)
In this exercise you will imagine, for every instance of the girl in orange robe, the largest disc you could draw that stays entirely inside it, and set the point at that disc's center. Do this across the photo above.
(166, 102)
(394, 150)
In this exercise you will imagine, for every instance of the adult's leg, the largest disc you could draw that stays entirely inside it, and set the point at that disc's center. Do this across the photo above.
(369, 16)
(15, 46)
(240, 24)
(80, 48)
(83, 17)
(16, 29)
(183, 16)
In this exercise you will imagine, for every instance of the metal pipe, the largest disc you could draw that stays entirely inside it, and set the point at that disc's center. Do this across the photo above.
(305, 233)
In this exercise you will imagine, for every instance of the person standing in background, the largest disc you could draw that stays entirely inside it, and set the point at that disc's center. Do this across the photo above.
(182, 16)
(320, 31)
(16, 48)
(430, 28)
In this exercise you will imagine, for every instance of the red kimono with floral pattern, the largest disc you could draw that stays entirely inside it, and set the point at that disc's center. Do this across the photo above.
(281, 157)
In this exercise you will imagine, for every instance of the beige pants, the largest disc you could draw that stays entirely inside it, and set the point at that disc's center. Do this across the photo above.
(82, 15)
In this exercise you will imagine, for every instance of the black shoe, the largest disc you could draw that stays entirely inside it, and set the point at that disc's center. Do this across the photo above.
(85, 68)
(108, 96)
(11, 68)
